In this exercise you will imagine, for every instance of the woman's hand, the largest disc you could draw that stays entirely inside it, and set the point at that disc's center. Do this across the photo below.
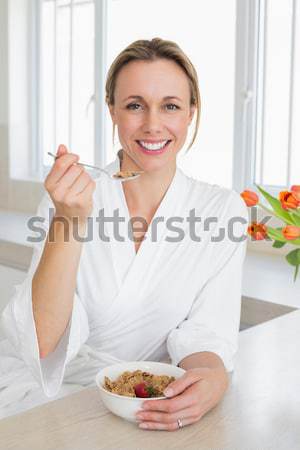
(70, 187)
(194, 394)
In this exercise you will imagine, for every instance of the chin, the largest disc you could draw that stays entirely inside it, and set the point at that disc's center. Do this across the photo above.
(150, 163)
(154, 166)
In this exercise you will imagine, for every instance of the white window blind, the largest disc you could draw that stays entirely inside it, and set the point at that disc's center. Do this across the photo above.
(67, 74)
(278, 94)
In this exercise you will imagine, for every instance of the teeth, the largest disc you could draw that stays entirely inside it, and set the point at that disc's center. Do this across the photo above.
(156, 146)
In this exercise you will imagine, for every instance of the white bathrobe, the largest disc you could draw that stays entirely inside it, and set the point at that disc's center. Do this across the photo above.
(168, 300)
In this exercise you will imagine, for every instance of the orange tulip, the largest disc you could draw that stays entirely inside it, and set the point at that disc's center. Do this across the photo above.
(291, 232)
(288, 200)
(257, 230)
(250, 197)
(296, 192)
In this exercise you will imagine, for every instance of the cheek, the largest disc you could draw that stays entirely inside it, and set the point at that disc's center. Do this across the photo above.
(128, 124)
(178, 127)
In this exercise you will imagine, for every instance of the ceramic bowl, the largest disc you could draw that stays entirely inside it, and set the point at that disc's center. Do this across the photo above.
(126, 407)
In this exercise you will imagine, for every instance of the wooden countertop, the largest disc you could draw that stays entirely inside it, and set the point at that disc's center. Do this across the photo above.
(261, 410)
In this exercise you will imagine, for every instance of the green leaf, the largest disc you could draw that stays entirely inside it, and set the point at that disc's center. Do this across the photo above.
(296, 219)
(295, 211)
(278, 244)
(276, 205)
(293, 257)
(151, 391)
(294, 241)
(276, 234)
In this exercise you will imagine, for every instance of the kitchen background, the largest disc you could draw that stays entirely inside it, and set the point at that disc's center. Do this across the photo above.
(54, 56)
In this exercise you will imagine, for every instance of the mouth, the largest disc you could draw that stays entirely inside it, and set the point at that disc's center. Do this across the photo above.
(154, 148)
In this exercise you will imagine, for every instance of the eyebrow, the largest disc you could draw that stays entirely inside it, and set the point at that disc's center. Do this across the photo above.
(139, 97)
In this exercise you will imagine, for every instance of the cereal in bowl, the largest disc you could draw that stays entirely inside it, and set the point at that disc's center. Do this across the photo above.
(138, 384)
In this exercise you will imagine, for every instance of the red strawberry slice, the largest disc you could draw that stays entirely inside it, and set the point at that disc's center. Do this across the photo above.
(142, 390)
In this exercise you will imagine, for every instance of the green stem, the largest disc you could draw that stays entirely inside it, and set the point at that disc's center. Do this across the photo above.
(296, 272)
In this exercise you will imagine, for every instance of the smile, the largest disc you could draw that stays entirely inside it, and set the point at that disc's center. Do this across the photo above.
(153, 147)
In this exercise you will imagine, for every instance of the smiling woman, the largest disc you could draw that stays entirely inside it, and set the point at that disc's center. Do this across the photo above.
(149, 121)
(152, 93)
(151, 299)
(151, 128)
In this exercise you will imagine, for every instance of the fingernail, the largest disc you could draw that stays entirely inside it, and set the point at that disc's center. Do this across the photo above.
(168, 392)
(143, 425)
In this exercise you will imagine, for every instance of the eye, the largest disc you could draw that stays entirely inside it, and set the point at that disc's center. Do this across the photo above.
(132, 106)
(173, 105)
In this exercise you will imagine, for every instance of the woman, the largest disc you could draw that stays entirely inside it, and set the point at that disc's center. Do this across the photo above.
(141, 296)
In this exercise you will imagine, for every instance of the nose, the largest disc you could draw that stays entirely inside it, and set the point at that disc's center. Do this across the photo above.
(153, 123)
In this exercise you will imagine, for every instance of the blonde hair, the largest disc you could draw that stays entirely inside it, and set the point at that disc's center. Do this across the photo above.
(146, 50)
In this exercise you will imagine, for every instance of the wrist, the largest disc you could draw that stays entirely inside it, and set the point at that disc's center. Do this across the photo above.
(71, 227)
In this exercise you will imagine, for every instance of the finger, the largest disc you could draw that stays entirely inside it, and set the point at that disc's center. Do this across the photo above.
(80, 183)
(168, 426)
(162, 417)
(62, 149)
(177, 403)
(188, 378)
(60, 167)
(70, 176)
(86, 194)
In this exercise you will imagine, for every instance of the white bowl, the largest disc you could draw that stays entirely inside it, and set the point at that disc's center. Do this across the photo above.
(126, 407)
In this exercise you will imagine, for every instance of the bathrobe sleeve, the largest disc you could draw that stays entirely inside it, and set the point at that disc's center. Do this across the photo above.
(18, 323)
(212, 324)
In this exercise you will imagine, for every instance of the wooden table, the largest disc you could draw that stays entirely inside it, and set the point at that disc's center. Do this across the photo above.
(261, 410)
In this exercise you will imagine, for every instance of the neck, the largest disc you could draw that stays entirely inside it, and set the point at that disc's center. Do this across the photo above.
(146, 192)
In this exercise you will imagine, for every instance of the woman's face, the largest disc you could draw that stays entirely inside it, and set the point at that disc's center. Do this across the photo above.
(152, 111)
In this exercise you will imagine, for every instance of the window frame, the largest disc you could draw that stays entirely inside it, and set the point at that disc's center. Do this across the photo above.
(245, 94)
(246, 114)
(248, 76)
(24, 194)
(98, 97)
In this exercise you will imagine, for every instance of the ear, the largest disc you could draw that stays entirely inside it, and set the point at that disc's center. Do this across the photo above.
(192, 112)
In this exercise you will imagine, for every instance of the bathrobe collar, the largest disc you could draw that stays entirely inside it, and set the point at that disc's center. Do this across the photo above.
(131, 268)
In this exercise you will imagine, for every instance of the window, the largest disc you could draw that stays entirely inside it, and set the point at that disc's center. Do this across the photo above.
(67, 77)
(267, 140)
(278, 138)
(243, 53)
(77, 40)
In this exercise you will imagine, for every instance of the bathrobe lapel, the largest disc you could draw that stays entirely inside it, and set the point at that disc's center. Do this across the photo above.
(134, 270)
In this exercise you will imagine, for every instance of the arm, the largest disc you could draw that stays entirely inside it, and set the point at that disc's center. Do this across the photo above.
(202, 359)
(54, 282)
(53, 286)
(18, 321)
(212, 324)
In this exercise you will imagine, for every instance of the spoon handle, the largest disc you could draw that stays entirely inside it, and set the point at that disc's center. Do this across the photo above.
(80, 164)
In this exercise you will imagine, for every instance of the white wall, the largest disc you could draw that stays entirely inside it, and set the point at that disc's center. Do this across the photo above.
(269, 277)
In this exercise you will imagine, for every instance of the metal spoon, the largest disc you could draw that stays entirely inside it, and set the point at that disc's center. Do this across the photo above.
(119, 176)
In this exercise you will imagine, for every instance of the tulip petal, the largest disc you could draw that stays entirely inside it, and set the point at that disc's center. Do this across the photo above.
(276, 205)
